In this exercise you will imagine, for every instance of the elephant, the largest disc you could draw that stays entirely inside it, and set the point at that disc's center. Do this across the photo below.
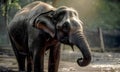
(39, 27)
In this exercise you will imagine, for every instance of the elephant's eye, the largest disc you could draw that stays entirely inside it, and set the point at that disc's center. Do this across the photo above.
(75, 14)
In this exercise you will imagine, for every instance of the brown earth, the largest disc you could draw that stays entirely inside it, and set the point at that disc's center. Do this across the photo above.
(101, 62)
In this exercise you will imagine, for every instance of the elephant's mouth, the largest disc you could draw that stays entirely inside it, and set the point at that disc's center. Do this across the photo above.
(65, 40)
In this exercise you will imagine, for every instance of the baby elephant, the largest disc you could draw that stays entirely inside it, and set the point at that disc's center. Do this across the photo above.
(38, 27)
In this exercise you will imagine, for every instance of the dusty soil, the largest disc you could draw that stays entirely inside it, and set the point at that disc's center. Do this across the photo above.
(101, 62)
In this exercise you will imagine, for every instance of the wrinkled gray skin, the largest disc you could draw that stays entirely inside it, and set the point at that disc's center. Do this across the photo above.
(38, 27)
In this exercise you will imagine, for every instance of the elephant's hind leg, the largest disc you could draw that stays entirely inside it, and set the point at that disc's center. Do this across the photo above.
(19, 56)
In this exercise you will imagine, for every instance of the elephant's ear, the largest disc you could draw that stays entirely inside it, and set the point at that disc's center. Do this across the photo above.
(45, 22)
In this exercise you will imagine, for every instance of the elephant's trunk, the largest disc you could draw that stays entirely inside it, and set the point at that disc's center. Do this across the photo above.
(80, 41)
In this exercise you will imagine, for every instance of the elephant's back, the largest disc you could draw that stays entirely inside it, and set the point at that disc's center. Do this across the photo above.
(28, 13)
(33, 9)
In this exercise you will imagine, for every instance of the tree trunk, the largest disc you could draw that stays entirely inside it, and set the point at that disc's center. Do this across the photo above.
(101, 40)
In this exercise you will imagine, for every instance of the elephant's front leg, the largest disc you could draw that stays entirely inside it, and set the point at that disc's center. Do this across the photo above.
(54, 58)
(39, 60)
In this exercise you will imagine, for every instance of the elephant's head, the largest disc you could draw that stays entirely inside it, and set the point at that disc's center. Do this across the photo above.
(64, 25)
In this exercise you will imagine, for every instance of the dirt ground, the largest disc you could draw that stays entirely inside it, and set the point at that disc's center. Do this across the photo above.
(101, 62)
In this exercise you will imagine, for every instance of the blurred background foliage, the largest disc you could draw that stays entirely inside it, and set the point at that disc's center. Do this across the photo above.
(95, 14)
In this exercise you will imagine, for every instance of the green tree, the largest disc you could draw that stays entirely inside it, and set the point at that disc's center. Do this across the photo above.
(5, 6)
